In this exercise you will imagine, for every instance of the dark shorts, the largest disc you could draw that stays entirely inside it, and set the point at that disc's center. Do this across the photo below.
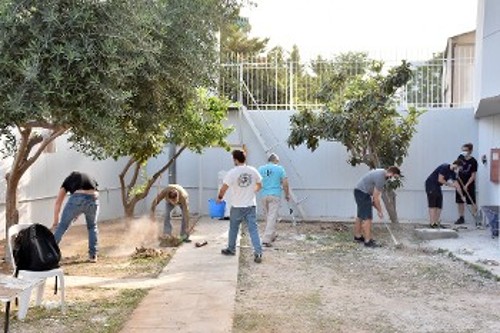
(364, 203)
(472, 194)
(434, 198)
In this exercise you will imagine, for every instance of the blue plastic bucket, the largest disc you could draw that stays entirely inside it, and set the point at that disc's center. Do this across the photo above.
(216, 209)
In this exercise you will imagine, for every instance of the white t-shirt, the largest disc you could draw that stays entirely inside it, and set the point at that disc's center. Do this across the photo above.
(242, 180)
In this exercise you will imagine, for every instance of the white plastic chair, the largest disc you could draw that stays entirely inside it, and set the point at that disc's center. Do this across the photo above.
(24, 299)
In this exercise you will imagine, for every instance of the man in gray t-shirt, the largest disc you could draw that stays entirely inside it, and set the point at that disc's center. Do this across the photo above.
(375, 179)
(367, 194)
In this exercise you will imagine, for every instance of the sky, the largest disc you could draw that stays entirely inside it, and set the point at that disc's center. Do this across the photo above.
(387, 29)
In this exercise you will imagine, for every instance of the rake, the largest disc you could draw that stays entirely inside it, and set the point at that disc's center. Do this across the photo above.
(290, 210)
(397, 244)
(477, 217)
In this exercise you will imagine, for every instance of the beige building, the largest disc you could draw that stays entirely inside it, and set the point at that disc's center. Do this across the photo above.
(458, 75)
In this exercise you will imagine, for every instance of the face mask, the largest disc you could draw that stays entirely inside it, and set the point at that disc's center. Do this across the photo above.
(392, 179)
(464, 153)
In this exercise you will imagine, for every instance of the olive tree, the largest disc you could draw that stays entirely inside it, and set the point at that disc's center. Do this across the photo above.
(198, 127)
(97, 70)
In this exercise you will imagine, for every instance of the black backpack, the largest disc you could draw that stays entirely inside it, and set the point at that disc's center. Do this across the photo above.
(35, 249)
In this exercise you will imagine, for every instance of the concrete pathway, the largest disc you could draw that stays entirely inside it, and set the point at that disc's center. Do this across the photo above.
(196, 290)
(474, 246)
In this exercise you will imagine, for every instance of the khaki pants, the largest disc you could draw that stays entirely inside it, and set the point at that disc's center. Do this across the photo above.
(271, 206)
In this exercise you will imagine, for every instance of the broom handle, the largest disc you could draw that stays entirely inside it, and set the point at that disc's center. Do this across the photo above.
(467, 193)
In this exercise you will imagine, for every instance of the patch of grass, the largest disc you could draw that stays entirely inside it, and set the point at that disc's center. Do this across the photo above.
(344, 237)
(483, 272)
(105, 312)
(121, 308)
(251, 321)
(152, 266)
(310, 237)
(118, 267)
(309, 301)
(441, 251)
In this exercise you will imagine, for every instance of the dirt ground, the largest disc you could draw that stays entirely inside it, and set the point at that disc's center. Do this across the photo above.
(93, 309)
(316, 279)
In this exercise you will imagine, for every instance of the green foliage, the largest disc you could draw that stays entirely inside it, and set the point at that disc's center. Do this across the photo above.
(114, 72)
(235, 37)
(201, 125)
(64, 62)
(360, 112)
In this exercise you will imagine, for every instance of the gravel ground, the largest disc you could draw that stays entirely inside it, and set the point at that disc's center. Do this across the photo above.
(316, 279)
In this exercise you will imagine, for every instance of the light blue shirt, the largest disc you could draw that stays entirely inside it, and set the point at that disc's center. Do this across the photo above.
(272, 176)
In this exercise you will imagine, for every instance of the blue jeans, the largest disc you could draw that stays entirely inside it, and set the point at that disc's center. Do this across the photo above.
(79, 203)
(236, 216)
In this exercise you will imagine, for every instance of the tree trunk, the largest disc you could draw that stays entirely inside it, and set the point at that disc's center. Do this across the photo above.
(130, 200)
(11, 212)
(26, 154)
(129, 210)
(389, 199)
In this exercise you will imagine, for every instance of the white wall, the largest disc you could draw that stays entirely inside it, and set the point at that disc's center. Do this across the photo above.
(487, 93)
(39, 186)
(488, 49)
(324, 176)
(489, 137)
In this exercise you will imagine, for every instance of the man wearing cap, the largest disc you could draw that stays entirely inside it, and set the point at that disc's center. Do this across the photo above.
(274, 181)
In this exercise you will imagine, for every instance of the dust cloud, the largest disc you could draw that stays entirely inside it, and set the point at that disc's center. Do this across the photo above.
(140, 232)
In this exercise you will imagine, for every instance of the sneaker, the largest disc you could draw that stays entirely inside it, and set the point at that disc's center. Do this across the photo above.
(460, 220)
(227, 252)
(93, 259)
(267, 244)
(434, 226)
(257, 258)
(360, 239)
(371, 243)
(184, 238)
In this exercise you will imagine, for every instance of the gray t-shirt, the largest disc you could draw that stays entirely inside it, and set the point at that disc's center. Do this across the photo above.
(374, 178)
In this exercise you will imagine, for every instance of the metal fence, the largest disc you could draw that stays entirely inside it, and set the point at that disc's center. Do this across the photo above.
(267, 84)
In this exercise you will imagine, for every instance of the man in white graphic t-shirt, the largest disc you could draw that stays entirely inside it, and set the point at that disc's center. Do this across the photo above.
(245, 181)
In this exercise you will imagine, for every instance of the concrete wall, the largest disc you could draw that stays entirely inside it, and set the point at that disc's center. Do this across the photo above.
(324, 177)
(459, 70)
(487, 93)
(487, 49)
(489, 137)
(40, 184)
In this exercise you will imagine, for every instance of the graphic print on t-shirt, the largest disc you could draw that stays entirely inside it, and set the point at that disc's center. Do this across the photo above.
(244, 180)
